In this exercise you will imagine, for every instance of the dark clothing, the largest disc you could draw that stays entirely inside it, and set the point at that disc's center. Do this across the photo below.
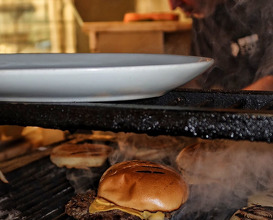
(239, 36)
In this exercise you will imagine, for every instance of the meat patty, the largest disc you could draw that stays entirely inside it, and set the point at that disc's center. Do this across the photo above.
(111, 215)
(78, 208)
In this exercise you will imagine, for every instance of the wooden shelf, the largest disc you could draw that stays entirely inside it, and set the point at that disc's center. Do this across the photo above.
(135, 37)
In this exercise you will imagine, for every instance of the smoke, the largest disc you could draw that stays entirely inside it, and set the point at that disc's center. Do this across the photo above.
(225, 174)
(161, 149)
(85, 179)
(128, 146)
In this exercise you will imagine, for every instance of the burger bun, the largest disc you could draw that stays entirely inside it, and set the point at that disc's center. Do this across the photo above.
(80, 156)
(143, 185)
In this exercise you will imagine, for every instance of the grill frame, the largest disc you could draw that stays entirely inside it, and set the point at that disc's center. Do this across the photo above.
(244, 115)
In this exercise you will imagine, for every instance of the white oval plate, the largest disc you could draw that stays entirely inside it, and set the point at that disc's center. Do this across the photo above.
(94, 77)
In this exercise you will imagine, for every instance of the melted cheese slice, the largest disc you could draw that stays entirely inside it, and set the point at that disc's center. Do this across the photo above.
(100, 205)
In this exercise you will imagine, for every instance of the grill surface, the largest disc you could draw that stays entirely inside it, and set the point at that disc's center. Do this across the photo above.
(40, 190)
(212, 114)
(37, 191)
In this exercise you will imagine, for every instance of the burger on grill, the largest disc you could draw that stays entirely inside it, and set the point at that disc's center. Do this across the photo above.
(132, 190)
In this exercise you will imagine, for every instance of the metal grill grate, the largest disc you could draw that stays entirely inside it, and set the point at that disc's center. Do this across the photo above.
(39, 190)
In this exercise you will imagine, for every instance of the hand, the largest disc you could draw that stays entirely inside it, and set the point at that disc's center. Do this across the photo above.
(263, 84)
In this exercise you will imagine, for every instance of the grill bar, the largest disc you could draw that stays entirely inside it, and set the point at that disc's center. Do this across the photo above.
(39, 190)
(58, 201)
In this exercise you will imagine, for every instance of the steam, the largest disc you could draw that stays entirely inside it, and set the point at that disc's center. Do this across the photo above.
(245, 168)
(82, 180)
(85, 179)
(161, 149)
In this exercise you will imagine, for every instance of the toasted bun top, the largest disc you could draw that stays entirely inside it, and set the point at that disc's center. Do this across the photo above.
(81, 150)
(80, 156)
(143, 186)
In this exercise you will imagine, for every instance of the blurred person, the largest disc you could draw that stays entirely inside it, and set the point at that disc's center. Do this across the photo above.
(238, 35)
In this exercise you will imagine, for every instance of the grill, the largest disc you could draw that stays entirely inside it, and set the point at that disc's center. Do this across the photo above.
(32, 193)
